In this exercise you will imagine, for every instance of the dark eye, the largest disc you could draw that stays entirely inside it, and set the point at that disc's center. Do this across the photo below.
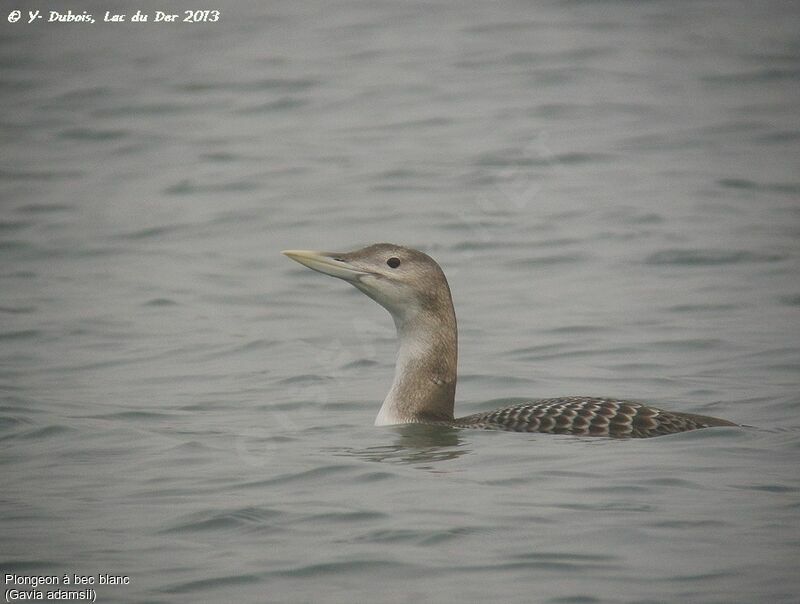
(393, 262)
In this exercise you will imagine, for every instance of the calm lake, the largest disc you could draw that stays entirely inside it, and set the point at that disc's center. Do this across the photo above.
(613, 190)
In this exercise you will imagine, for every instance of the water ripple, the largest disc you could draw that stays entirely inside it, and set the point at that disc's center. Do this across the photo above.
(708, 257)
(240, 519)
(213, 583)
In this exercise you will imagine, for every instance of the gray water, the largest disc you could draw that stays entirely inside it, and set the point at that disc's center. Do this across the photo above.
(613, 191)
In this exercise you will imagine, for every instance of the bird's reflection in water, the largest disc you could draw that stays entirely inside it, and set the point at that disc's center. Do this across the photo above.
(416, 444)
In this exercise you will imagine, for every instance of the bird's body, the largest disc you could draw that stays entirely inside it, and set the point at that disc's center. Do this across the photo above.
(413, 288)
(588, 416)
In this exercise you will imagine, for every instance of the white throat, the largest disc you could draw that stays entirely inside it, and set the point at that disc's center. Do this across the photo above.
(392, 410)
(425, 373)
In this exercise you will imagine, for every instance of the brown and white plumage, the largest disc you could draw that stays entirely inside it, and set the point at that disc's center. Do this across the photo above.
(588, 416)
(413, 288)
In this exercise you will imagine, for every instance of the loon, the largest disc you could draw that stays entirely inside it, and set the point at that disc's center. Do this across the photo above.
(413, 288)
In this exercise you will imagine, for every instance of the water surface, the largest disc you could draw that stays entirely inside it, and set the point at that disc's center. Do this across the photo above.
(612, 189)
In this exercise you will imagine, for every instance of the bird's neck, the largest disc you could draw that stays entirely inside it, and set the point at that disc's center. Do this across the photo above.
(424, 384)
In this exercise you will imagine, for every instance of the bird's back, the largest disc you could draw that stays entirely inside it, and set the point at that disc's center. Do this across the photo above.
(588, 416)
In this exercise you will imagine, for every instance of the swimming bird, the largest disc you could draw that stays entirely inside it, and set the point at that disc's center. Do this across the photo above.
(413, 288)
